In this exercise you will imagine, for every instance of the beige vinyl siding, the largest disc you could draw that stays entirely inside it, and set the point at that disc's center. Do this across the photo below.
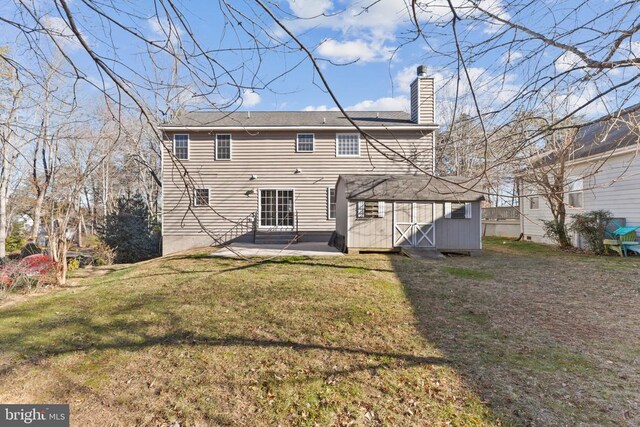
(426, 101)
(422, 100)
(272, 158)
(414, 101)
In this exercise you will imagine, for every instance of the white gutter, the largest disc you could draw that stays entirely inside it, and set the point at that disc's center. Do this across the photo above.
(319, 127)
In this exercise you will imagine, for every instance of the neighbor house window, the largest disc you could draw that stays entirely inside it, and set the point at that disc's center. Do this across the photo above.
(369, 209)
(574, 198)
(347, 144)
(331, 203)
(223, 147)
(305, 142)
(534, 202)
(457, 210)
(201, 197)
(181, 146)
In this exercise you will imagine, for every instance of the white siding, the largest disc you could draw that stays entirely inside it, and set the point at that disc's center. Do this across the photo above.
(612, 184)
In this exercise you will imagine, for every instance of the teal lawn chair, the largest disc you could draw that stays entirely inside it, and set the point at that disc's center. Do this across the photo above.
(624, 239)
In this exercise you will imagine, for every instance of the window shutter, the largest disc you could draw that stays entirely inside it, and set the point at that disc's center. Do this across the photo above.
(447, 210)
(467, 210)
(359, 209)
(380, 209)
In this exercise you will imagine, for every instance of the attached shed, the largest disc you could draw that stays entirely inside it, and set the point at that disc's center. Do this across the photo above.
(388, 212)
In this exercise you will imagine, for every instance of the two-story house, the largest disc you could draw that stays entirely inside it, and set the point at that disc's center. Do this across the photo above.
(276, 171)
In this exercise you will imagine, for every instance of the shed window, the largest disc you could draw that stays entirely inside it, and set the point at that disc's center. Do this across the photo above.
(369, 209)
(534, 202)
(201, 197)
(457, 210)
(331, 203)
(348, 144)
(305, 143)
(223, 147)
(181, 147)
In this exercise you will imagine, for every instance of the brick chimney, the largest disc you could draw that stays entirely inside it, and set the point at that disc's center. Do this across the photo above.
(422, 99)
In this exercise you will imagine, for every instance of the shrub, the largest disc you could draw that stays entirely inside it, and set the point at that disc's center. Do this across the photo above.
(16, 239)
(28, 273)
(592, 225)
(556, 231)
(73, 264)
(103, 254)
(130, 232)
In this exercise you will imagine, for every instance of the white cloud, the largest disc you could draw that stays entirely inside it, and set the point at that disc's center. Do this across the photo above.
(404, 78)
(250, 98)
(165, 30)
(309, 8)
(510, 56)
(60, 31)
(568, 61)
(398, 103)
(354, 50)
(319, 108)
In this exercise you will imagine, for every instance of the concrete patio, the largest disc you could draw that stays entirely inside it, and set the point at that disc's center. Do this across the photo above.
(236, 250)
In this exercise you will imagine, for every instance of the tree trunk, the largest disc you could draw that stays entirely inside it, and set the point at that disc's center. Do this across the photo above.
(3, 219)
(37, 217)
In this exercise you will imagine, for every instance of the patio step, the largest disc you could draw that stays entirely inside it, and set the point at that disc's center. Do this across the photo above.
(275, 237)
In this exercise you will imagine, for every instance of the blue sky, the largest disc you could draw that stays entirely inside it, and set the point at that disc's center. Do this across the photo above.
(356, 42)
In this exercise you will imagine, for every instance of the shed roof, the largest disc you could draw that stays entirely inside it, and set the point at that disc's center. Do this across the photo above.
(266, 119)
(411, 188)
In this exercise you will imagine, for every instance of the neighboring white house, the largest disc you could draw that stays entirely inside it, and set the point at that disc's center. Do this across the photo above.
(603, 174)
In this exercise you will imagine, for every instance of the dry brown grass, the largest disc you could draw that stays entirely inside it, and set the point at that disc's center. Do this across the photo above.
(522, 335)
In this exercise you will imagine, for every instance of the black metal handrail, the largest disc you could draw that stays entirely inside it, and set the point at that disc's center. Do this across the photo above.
(242, 227)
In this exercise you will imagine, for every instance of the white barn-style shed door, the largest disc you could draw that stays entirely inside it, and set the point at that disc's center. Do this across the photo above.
(413, 224)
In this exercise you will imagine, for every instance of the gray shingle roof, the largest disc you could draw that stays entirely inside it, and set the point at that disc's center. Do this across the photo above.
(291, 118)
(411, 188)
(604, 136)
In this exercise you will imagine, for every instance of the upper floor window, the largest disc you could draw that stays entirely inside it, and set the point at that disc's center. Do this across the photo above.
(348, 144)
(331, 203)
(201, 197)
(305, 142)
(223, 147)
(181, 147)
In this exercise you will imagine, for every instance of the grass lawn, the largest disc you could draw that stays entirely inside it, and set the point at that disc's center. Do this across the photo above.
(523, 335)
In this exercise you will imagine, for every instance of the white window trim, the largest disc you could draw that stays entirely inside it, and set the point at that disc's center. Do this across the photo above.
(348, 155)
(230, 147)
(329, 218)
(188, 145)
(572, 181)
(529, 199)
(313, 142)
(195, 197)
(467, 210)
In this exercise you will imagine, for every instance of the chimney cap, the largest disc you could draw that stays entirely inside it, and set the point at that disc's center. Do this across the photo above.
(422, 71)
